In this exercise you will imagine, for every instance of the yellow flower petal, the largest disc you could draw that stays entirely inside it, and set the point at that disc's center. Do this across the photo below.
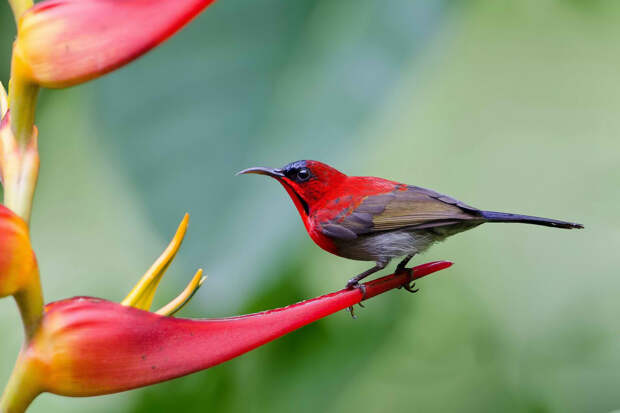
(4, 101)
(183, 298)
(141, 296)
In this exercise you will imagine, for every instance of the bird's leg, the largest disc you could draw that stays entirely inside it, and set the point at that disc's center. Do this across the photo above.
(400, 268)
(401, 265)
(354, 282)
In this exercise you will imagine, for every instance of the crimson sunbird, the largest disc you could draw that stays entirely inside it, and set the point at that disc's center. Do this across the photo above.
(373, 219)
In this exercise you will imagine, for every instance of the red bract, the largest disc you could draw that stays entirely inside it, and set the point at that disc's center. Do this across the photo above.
(18, 265)
(65, 42)
(88, 346)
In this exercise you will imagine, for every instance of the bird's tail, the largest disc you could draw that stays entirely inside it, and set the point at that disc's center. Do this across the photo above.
(491, 216)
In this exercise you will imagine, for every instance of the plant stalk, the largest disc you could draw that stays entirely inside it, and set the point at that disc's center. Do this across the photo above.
(20, 154)
(21, 389)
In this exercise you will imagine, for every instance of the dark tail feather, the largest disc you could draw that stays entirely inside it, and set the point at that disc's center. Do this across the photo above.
(491, 216)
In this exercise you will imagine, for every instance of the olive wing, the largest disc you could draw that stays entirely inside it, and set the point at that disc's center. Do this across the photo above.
(413, 207)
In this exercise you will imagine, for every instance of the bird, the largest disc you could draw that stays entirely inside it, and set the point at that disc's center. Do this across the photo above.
(374, 219)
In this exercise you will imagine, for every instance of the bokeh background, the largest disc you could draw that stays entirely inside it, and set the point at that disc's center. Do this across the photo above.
(507, 105)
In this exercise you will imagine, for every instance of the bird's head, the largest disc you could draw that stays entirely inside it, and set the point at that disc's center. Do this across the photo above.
(305, 181)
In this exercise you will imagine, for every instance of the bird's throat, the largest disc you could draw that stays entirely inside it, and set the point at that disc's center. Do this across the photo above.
(300, 203)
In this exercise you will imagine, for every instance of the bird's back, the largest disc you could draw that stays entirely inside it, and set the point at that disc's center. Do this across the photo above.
(372, 219)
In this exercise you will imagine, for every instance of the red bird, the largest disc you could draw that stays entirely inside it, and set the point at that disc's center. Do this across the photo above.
(373, 219)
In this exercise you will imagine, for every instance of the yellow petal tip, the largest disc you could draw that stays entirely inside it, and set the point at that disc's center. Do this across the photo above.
(4, 101)
(186, 295)
(141, 296)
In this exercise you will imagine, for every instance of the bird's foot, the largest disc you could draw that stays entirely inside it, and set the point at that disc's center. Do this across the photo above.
(409, 285)
(352, 285)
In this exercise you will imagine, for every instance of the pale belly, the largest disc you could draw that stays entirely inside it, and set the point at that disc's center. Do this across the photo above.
(383, 246)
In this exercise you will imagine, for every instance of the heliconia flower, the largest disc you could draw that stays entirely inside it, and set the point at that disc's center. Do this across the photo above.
(88, 346)
(18, 264)
(61, 43)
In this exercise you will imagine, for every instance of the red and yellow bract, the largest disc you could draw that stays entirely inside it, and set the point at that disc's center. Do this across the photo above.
(88, 346)
(18, 264)
(61, 43)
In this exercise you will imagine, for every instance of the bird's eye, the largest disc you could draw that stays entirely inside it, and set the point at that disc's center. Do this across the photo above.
(303, 174)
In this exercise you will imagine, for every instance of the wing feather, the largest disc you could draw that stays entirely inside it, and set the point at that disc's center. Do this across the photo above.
(414, 207)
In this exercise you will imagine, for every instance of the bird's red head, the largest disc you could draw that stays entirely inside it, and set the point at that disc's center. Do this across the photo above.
(307, 182)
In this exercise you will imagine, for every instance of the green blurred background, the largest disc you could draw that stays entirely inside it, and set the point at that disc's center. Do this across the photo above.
(507, 105)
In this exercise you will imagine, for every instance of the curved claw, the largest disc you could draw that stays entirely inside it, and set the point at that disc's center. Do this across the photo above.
(409, 287)
(362, 288)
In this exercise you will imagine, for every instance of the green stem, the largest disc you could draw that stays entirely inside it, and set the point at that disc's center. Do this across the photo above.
(19, 158)
(20, 163)
(21, 389)
(30, 304)
(19, 7)
(23, 101)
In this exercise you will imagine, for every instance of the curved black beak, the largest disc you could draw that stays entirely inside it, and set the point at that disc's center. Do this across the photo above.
(274, 173)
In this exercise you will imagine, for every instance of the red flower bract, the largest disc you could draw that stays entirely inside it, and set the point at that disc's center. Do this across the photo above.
(18, 264)
(65, 42)
(87, 346)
